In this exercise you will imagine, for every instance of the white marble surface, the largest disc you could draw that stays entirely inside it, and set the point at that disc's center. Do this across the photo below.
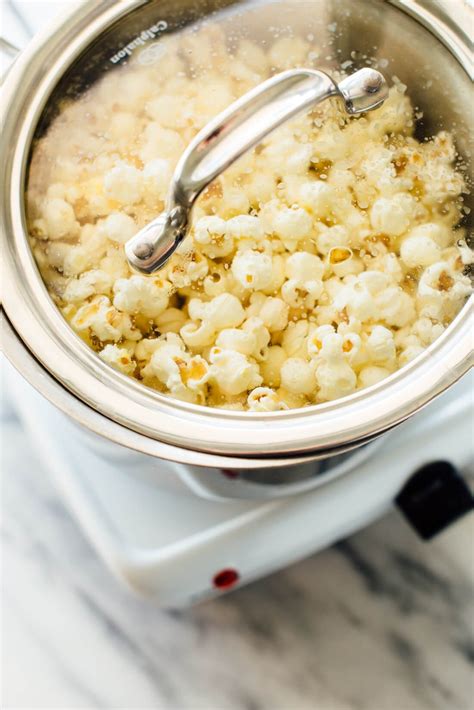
(379, 622)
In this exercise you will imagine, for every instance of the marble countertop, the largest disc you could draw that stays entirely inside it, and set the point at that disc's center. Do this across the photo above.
(379, 622)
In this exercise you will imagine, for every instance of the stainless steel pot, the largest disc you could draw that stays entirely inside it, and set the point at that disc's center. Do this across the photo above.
(419, 43)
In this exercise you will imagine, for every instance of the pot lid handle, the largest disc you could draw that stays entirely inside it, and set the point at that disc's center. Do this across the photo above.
(231, 134)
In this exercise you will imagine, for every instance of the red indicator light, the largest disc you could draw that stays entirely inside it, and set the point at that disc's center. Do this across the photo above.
(226, 578)
(229, 473)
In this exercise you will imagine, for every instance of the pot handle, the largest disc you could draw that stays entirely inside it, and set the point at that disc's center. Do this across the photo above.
(231, 134)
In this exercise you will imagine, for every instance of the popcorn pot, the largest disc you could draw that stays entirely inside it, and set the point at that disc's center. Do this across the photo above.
(225, 452)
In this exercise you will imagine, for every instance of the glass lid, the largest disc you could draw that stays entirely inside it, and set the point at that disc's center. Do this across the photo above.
(320, 269)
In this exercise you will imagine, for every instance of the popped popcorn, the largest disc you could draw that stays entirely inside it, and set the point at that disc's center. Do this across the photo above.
(119, 358)
(392, 215)
(252, 270)
(59, 219)
(380, 345)
(304, 283)
(124, 184)
(272, 311)
(118, 227)
(419, 250)
(139, 294)
(88, 284)
(297, 376)
(372, 374)
(289, 224)
(232, 372)
(213, 237)
(316, 265)
(264, 399)
(335, 379)
(104, 321)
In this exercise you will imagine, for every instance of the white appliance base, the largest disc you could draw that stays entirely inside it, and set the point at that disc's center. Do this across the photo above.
(169, 545)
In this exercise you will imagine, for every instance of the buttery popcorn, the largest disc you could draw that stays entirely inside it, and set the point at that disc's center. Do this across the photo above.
(318, 264)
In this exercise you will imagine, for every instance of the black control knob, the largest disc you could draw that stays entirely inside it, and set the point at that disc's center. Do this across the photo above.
(434, 497)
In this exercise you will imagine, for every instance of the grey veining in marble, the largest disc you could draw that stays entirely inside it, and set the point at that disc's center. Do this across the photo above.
(380, 622)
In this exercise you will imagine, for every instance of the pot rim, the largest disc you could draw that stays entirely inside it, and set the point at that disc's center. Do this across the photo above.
(51, 340)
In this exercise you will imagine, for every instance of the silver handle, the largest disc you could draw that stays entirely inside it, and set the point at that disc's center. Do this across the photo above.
(231, 134)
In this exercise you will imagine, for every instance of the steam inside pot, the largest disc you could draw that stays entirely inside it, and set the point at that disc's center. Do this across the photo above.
(320, 263)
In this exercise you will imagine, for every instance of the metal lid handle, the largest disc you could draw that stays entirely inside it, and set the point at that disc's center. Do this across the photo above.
(231, 134)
